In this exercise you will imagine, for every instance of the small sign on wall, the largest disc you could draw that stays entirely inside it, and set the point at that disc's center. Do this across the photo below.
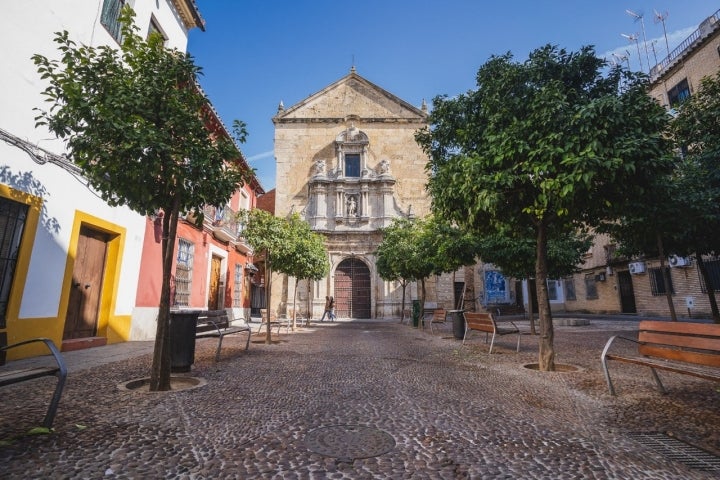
(690, 302)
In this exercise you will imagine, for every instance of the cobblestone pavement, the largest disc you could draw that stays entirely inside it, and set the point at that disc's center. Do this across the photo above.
(365, 400)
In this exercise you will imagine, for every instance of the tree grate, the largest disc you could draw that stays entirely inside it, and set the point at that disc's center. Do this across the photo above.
(679, 451)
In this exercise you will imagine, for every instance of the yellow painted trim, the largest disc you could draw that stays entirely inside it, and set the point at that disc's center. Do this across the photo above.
(16, 332)
(115, 328)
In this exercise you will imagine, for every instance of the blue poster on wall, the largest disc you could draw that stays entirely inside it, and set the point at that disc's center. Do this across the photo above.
(495, 287)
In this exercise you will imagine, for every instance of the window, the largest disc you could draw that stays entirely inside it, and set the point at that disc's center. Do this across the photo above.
(713, 270)
(155, 28)
(237, 286)
(352, 165)
(552, 290)
(12, 224)
(183, 273)
(679, 93)
(110, 18)
(569, 284)
(657, 282)
(590, 287)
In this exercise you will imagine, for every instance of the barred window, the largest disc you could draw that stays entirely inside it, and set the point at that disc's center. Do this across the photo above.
(657, 282)
(713, 270)
(12, 224)
(552, 289)
(183, 273)
(569, 284)
(110, 18)
(237, 287)
(590, 287)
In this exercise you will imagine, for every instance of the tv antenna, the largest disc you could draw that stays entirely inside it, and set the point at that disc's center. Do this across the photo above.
(639, 16)
(619, 59)
(660, 18)
(633, 37)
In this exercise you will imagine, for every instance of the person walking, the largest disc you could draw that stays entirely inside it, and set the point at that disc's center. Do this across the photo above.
(332, 309)
(327, 311)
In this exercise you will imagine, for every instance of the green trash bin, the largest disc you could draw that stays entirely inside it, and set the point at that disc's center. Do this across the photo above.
(416, 313)
(183, 326)
(458, 322)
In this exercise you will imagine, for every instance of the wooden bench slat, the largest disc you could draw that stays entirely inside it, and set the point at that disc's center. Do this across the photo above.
(679, 347)
(681, 340)
(710, 360)
(485, 322)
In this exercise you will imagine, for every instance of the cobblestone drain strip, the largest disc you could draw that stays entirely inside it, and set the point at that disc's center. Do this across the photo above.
(677, 450)
(349, 442)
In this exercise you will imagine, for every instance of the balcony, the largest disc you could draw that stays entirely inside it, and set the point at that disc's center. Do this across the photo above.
(222, 222)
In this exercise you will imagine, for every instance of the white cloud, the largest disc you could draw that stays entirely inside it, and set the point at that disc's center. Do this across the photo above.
(261, 156)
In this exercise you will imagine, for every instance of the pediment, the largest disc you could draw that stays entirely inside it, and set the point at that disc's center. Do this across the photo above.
(351, 97)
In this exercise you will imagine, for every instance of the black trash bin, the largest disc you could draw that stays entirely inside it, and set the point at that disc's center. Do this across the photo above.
(183, 326)
(416, 313)
(458, 322)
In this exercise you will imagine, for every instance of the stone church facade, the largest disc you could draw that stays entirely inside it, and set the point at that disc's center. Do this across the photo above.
(348, 162)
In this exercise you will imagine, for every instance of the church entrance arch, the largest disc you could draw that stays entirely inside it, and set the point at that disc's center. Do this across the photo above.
(352, 289)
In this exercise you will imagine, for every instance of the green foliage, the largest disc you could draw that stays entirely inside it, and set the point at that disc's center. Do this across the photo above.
(135, 122)
(543, 147)
(307, 257)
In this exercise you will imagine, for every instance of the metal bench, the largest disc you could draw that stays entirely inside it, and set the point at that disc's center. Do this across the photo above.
(59, 370)
(216, 323)
(439, 318)
(485, 322)
(679, 347)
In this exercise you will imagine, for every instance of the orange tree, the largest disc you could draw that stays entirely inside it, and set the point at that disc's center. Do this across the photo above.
(135, 122)
(548, 145)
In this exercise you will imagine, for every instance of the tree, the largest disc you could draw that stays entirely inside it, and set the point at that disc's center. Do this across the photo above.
(136, 123)
(306, 259)
(547, 145)
(394, 257)
(270, 238)
(414, 249)
(514, 255)
(697, 131)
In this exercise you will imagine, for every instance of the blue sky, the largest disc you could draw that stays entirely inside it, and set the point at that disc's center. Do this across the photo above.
(256, 53)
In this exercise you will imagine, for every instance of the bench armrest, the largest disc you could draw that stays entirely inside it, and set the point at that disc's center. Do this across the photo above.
(610, 341)
(49, 344)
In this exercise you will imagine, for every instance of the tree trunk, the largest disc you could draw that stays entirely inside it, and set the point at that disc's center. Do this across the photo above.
(422, 303)
(709, 287)
(309, 305)
(531, 311)
(546, 354)
(162, 360)
(268, 283)
(403, 283)
(666, 279)
(294, 325)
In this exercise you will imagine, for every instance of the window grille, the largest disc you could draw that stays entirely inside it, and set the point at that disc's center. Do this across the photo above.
(713, 270)
(237, 287)
(569, 284)
(590, 287)
(657, 282)
(183, 273)
(12, 224)
(110, 18)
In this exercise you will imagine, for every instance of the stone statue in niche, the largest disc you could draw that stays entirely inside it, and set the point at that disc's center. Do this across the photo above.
(384, 167)
(320, 167)
(352, 206)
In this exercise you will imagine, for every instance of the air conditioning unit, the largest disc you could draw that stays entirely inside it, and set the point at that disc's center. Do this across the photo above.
(676, 261)
(636, 268)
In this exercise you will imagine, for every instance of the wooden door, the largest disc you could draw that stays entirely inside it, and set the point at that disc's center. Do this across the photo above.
(352, 289)
(87, 278)
(214, 287)
(627, 293)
